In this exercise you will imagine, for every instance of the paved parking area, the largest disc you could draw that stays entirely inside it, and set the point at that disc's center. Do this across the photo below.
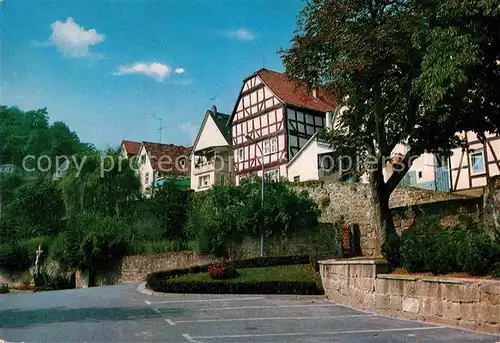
(122, 314)
(223, 318)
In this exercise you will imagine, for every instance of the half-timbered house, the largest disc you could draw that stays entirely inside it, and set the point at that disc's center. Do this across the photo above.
(470, 168)
(273, 118)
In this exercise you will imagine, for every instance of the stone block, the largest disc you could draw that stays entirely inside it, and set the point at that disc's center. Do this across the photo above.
(431, 289)
(381, 286)
(381, 301)
(468, 293)
(426, 308)
(491, 328)
(492, 299)
(437, 308)
(365, 284)
(395, 286)
(412, 289)
(451, 310)
(411, 305)
(491, 288)
(369, 301)
(395, 302)
(488, 314)
(467, 312)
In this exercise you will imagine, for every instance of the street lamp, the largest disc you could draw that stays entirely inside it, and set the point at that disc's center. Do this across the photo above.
(247, 136)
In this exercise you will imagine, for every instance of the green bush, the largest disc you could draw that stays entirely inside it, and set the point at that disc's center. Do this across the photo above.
(391, 249)
(226, 214)
(14, 257)
(92, 242)
(4, 288)
(469, 247)
(232, 287)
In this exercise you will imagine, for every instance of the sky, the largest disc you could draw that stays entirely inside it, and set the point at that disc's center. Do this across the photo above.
(110, 69)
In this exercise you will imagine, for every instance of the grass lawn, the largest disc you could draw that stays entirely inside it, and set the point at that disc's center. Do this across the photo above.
(298, 272)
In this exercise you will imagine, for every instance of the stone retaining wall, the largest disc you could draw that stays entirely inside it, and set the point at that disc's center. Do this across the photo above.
(467, 303)
(353, 203)
(133, 269)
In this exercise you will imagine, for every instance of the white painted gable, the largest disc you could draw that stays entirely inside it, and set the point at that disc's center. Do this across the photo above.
(210, 136)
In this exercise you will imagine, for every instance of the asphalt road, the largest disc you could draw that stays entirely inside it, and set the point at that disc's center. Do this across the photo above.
(122, 314)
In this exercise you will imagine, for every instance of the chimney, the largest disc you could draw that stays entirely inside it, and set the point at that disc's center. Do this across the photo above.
(214, 109)
(328, 120)
(314, 93)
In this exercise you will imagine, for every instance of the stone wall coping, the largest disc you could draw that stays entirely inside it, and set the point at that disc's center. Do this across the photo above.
(436, 279)
(353, 261)
(397, 277)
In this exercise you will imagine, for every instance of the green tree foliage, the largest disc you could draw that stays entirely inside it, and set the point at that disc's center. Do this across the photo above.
(469, 247)
(36, 209)
(169, 205)
(226, 214)
(24, 133)
(91, 242)
(102, 184)
(405, 70)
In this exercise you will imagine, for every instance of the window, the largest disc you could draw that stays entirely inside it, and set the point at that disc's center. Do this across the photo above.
(477, 162)
(204, 181)
(266, 147)
(143, 159)
(274, 145)
(273, 175)
(296, 178)
(419, 174)
(240, 155)
(146, 178)
(223, 179)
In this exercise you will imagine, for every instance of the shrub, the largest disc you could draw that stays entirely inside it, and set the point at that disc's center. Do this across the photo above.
(14, 257)
(232, 287)
(391, 249)
(92, 242)
(469, 247)
(4, 288)
(227, 214)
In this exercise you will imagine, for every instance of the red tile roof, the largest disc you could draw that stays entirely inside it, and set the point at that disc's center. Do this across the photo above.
(165, 157)
(131, 147)
(296, 94)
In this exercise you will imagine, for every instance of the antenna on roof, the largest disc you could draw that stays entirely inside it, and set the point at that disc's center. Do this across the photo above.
(212, 99)
(160, 129)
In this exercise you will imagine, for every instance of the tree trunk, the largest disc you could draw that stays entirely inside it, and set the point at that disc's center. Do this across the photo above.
(380, 200)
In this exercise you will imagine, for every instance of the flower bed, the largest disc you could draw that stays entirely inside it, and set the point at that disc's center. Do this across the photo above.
(281, 279)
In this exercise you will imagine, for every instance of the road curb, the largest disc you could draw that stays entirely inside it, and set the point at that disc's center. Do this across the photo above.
(143, 290)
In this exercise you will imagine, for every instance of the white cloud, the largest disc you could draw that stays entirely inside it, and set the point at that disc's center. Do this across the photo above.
(155, 70)
(190, 129)
(180, 70)
(72, 39)
(242, 34)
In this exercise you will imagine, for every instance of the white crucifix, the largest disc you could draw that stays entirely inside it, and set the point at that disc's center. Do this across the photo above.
(38, 253)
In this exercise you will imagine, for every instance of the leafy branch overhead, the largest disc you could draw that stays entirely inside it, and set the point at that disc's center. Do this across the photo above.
(413, 71)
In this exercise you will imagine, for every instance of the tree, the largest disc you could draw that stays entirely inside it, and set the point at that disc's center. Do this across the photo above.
(403, 70)
(35, 210)
(102, 184)
(225, 214)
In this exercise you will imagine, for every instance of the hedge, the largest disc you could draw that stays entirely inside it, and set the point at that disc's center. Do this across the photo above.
(232, 287)
(247, 263)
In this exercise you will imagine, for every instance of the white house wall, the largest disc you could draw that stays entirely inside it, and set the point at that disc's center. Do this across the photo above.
(305, 165)
(210, 136)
